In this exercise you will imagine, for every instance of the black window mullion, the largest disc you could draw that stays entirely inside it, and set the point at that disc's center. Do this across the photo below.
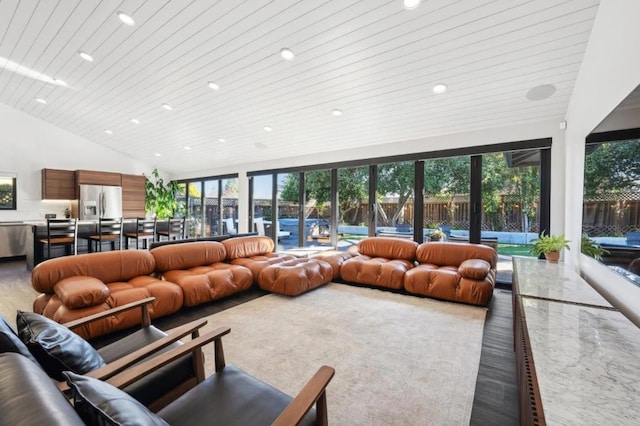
(373, 186)
(302, 200)
(418, 201)
(475, 200)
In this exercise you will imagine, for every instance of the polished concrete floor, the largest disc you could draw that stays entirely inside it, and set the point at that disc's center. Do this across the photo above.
(496, 397)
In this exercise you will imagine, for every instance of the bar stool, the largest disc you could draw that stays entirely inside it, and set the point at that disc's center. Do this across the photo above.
(174, 231)
(145, 231)
(61, 232)
(109, 230)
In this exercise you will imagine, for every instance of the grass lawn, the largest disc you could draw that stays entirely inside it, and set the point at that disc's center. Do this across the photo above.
(514, 249)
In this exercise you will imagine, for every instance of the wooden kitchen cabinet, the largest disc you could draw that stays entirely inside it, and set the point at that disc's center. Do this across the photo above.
(58, 184)
(133, 195)
(89, 177)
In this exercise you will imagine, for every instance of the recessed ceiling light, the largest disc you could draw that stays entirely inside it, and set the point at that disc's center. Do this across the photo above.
(541, 92)
(411, 4)
(337, 112)
(267, 128)
(439, 88)
(188, 148)
(213, 86)
(109, 132)
(135, 121)
(126, 19)
(167, 107)
(59, 82)
(157, 154)
(222, 140)
(42, 101)
(86, 56)
(287, 54)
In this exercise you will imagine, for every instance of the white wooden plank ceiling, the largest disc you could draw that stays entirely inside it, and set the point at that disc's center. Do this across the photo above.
(372, 59)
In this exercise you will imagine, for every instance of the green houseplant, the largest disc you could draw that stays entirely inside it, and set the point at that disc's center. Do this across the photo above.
(160, 198)
(550, 246)
(591, 248)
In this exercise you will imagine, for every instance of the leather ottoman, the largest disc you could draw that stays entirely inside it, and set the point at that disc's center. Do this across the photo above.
(294, 277)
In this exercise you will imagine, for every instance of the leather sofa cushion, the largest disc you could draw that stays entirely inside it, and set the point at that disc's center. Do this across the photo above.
(335, 259)
(30, 397)
(474, 269)
(248, 246)
(108, 267)
(99, 403)
(295, 277)
(56, 348)
(10, 342)
(188, 255)
(202, 284)
(81, 292)
(376, 271)
(389, 248)
(453, 254)
(229, 397)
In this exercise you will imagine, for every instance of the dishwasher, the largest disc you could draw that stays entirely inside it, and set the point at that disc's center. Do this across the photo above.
(13, 239)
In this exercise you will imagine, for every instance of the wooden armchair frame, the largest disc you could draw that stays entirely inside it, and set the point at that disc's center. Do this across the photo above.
(314, 392)
(121, 364)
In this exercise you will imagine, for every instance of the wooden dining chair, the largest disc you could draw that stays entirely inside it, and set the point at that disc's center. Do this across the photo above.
(109, 230)
(174, 230)
(61, 232)
(145, 231)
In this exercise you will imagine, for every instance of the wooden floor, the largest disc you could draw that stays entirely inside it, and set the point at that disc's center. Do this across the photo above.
(496, 396)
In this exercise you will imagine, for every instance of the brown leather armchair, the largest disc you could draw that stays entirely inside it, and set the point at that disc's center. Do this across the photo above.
(459, 272)
(75, 287)
(381, 262)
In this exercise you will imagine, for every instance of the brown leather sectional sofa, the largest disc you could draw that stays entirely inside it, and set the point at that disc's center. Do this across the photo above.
(192, 273)
(459, 272)
(176, 275)
(75, 287)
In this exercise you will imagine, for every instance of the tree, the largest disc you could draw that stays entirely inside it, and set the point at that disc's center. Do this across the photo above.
(612, 167)
(352, 190)
(395, 179)
(446, 177)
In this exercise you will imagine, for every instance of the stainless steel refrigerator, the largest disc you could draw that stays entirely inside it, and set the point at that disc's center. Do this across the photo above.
(97, 201)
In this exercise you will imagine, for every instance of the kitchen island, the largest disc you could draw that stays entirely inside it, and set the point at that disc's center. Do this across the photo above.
(37, 230)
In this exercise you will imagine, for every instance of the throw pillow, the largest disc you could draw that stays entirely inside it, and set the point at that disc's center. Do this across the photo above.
(10, 342)
(56, 348)
(99, 403)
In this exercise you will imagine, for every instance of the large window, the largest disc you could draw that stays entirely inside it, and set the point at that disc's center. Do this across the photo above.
(286, 224)
(353, 205)
(446, 198)
(611, 203)
(498, 198)
(7, 192)
(394, 199)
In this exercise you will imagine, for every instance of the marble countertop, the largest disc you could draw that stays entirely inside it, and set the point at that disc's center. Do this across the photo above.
(555, 281)
(586, 362)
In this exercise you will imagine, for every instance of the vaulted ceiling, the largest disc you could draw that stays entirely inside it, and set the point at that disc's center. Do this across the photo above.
(503, 61)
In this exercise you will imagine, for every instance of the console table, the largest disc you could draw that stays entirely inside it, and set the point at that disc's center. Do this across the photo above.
(577, 356)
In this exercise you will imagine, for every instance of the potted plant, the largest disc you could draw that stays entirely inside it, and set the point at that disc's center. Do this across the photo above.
(436, 235)
(592, 248)
(160, 197)
(550, 246)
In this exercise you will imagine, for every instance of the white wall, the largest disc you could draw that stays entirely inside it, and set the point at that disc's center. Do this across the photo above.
(609, 72)
(28, 145)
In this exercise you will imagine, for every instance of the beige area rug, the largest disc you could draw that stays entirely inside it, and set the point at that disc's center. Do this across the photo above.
(399, 360)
